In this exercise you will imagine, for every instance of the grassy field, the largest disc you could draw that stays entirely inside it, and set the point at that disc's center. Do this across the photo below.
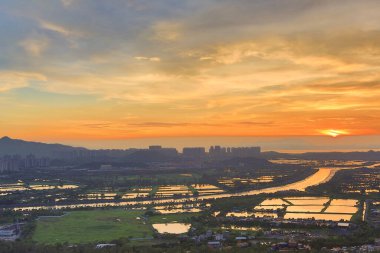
(92, 226)
(100, 226)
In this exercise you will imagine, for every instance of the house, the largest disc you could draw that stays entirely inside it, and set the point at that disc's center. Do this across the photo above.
(343, 224)
(104, 245)
(7, 232)
(254, 242)
(214, 245)
(218, 237)
(241, 238)
(226, 234)
(242, 244)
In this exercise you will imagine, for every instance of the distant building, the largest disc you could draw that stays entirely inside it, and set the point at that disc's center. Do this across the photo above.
(223, 152)
(9, 231)
(219, 237)
(241, 238)
(169, 152)
(214, 244)
(163, 151)
(105, 167)
(16, 162)
(194, 152)
(245, 151)
(104, 245)
(155, 147)
(217, 151)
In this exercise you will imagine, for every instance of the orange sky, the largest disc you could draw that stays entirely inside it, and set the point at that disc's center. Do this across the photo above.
(112, 70)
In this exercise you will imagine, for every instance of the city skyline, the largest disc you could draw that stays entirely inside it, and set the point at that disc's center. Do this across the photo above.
(280, 144)
(82, 72)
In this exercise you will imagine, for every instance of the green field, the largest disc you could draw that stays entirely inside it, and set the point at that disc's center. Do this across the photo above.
(92, 226)
(100, 226)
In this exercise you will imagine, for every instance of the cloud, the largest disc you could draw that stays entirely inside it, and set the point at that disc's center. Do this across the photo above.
(143, 58)
(12, 80)
(159, 124)
(98, 125)
(67, 3)
(234, 53)
(34, 45)
(55, 28)
(166, 31)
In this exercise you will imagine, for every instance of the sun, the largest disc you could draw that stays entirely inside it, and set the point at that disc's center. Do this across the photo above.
(334, 132)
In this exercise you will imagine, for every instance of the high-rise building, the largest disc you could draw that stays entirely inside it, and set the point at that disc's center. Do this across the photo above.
(245, 151)
(194, 152)
(155, 147)
(223, 152)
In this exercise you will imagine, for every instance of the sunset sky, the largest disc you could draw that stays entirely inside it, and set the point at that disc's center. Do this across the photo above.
(86, 71)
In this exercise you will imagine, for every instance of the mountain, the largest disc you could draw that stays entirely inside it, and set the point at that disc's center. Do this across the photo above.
(10, 146)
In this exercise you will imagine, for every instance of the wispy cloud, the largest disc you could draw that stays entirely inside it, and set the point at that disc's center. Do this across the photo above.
(166, 31)
(12, 80)
(143, 58)
(67, 3)
(55, 28)
(35, 45)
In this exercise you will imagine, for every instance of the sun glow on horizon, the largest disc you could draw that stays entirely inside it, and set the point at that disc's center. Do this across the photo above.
(334, 133)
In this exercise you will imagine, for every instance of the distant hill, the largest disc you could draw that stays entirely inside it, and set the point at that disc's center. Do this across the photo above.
(10, 146)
